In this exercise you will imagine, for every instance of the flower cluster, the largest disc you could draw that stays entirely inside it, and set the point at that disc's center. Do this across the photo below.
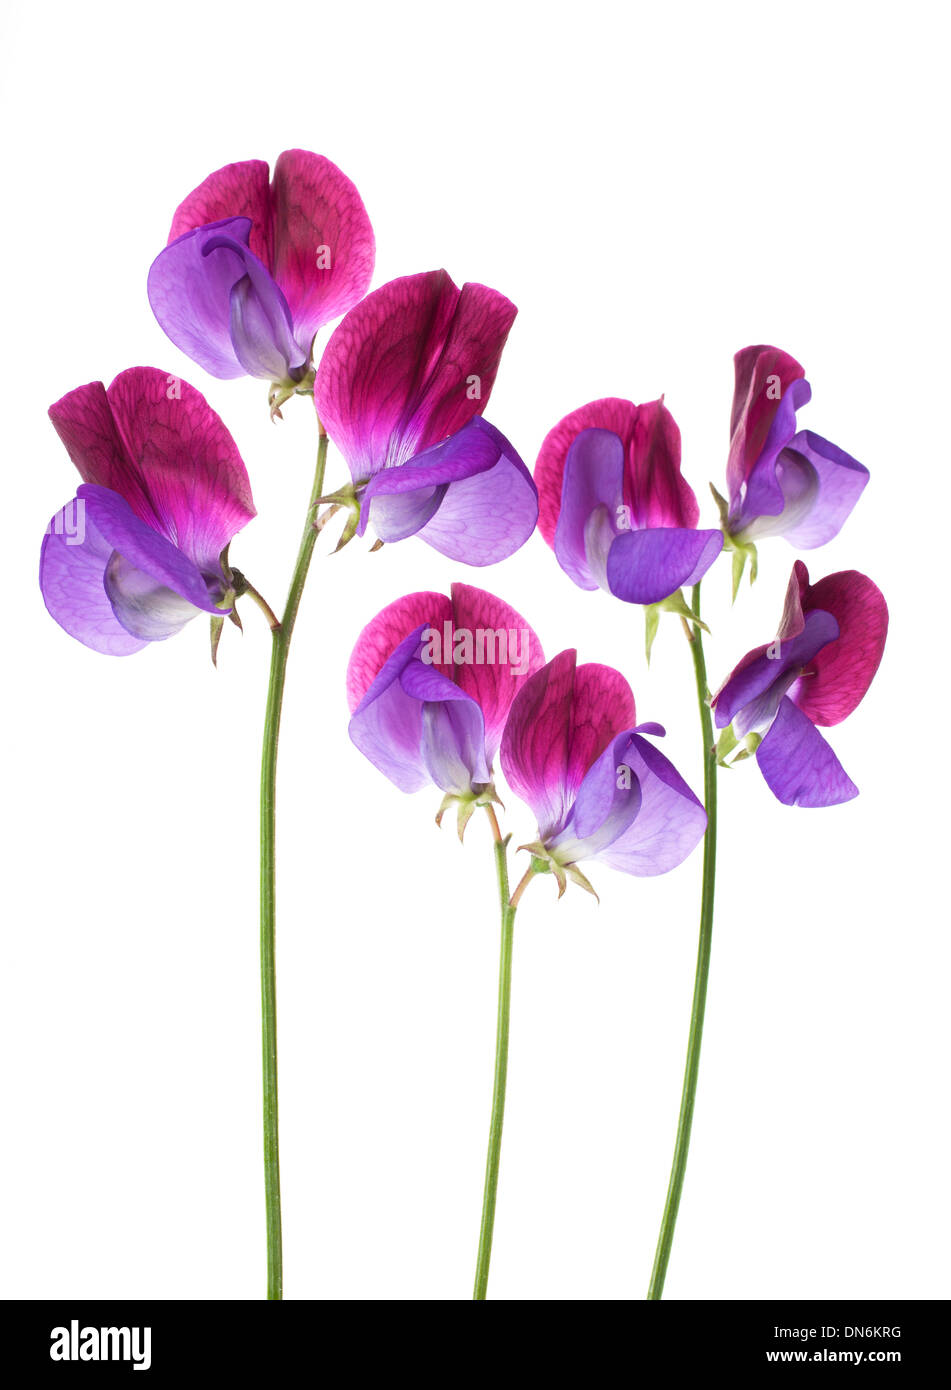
(440, 687)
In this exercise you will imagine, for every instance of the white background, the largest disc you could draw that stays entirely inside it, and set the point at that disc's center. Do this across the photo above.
(655, 186)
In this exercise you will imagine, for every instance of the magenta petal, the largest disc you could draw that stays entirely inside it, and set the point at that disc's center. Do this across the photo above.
(655, 490)
(144, 549)
(648, 566)
(237, 190)
(559, 724)
(592, 495)
(383, 634)
(491, 681)
(842, 672)
(323, 243)
(670, 822)
(799, 766)
(485, 515)
(157, 442)
(763, 377)
(72, 565)
(408, 366)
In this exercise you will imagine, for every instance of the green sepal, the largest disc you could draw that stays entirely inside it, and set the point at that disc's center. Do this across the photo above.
(544, 862)
(345, 497)
(216, 626)
(281, 391)
(466, 806)
(675, 603)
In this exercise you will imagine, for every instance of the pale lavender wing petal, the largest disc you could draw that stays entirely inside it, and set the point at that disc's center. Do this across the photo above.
(485, 516)
(387, 725)
(144, 549)
(400, 501)
(72, 565)
(604, 809)
(799, 766)
(143, 605)
(262, 332)
(453, 731)
(839, 483)
(592, 495)
(648, 566)
(670, 822)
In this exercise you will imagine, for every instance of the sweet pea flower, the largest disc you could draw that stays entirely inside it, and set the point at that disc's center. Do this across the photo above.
(816, 672)
(613, 504)
(254, 267)
(137, 554)
(429, 686)
(600, 790)
(781, 482)
(400, 389)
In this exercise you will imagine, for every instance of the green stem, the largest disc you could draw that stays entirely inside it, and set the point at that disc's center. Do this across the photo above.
(679, 1166)
(280, 646)
(501, 1064)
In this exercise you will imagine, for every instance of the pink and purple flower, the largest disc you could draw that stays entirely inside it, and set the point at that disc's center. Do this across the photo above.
(400, 389)
(430, 684)
(783, 481)
(614, 506)
(599, 789)
(138, 553)
(255, 266)
(813, 674)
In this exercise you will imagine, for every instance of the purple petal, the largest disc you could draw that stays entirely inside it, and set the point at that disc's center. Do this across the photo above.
(191, 290)
(592, 494)
(484, 517)
(383, 634)
(453, 730)
(648, 566)
(670, 823)
(144, 549)
(799, 766)
(602, 811)
(400, 500)
(750, 696)
(387, 724)
(839, 482)
(72, 564)
(759, 372)
(763, 495)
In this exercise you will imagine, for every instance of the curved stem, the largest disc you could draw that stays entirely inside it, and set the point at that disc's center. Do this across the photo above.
(501, 1067)
(679, 1167)
(280, 646)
